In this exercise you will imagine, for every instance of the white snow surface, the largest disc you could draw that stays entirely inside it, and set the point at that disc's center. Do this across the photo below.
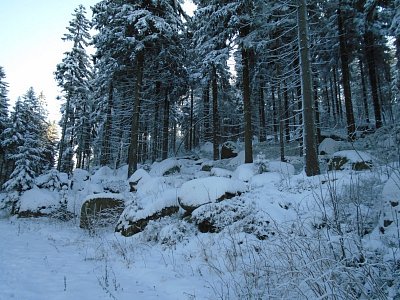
(50, 259)
(138, 175)
(329, 146)
(281, 167)
(159, 168)
(245, 172)
(36, 198)
(105, 195)
(354, 156)
(200, 191)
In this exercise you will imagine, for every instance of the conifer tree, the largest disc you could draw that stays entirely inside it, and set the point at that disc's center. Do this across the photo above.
(73, 76)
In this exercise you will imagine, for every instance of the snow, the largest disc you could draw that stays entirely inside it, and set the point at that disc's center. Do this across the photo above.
(391, 189)
(153, 205)
(105, 195)
(245, 172)
(138, 175)
(199, 191)
(354, 156)
(36, 198)
(160, 168)
(329, 146)
(271, 237)
(219, 172)
(281, 167)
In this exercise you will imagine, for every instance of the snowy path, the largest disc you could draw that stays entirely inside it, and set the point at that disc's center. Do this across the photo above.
(45, 259)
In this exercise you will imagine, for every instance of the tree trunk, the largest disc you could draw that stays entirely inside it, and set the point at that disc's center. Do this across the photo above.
(344, 58)
(274, 113)
(155, 124)
(206, 113)
(215, 114)
(364, 91)
(133, 147)
(261, 111)
(105, 145)
(311, 157)
(248, 135)
(165, 140)
(286, 115)
(191, 138)
(369, 45)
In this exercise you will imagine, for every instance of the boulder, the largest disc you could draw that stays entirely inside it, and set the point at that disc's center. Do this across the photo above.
(131, 227)
(136, 177)
(101, 210)
(197, 192)
(228, 150)
(166, 167)
(147, 207)
(38, 203)
(350, 159)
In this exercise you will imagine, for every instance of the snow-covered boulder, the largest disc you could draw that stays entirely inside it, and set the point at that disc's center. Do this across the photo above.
(242, 215)
(229, 150)
(280, 167)
(135, 218)
(245, 172)
(238, 160)
(136, 177)
(197, 192)
(152, 186)
(101, 209)
(38, 202)
(220, 172)
(166, 167)
(328, 146)
(103, 173)
(391, 204)
(207, 165)
(350, 159)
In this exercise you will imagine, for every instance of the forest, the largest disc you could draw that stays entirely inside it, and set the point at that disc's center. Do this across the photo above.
(279, 84)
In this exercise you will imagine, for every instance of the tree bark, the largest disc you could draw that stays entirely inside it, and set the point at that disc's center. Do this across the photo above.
(215, 114)
(344, 58)
(261, 111)
(311, 157)
(133, 147)
(364, 91)
(165, 125)
(105, 145)
(248, 134)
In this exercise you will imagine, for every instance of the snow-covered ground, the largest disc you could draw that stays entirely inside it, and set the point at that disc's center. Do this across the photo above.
(46, 259)
(252, 231)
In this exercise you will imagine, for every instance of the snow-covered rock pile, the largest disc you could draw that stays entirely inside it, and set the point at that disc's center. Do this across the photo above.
(350, 159)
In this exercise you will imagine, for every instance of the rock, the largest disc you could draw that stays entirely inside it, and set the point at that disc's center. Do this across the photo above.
(228, 150)
(328, 146)
(101, 210)
(350, 159)
(38, 203)
(207, 166)
(136, 177)
(166, 167)
(132, 227)
(197, 192)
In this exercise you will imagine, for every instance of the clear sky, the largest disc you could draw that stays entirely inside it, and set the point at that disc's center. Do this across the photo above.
(31, 45)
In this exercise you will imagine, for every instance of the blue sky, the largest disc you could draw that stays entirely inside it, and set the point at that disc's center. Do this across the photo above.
(31, 45)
